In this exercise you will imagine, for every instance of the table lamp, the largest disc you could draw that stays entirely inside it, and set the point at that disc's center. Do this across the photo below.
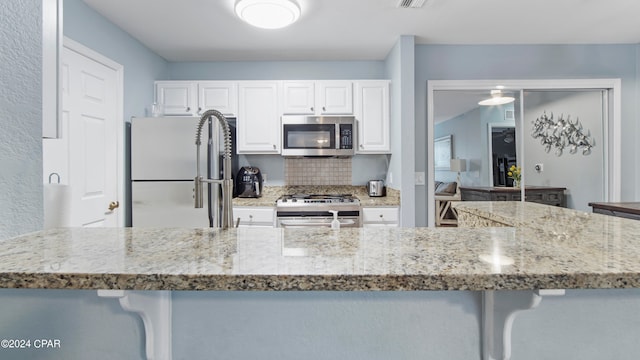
(458, 165)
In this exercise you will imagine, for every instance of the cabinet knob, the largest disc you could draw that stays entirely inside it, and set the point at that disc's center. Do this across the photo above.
(274, 146)
(381, 216)
(188, 109)
(361, 147)
(199, 110)
(324, 108)
(311, 109)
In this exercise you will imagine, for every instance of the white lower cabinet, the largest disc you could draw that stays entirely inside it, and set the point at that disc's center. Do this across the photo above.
(380, 216)
(254, 216)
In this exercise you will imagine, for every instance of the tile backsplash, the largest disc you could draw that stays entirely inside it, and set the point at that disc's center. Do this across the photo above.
(318, 171)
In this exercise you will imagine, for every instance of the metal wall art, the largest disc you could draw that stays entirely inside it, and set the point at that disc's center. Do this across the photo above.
(562, 134)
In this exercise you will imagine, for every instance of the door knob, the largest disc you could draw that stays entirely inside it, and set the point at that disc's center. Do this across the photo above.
(114, 205)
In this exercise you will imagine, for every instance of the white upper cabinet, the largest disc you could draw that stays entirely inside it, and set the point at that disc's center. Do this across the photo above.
(335, 97)
(192, 98)
(299, 97)
(258, 106)
(178, 98)
(372, 115)
(218, 95)
(258, 118)
(318, 97)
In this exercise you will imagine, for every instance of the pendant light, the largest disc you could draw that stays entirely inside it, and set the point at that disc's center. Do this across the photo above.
(268, 14)
(497, 98)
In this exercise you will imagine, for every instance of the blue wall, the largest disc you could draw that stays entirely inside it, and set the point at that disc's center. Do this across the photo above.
(400, 70)
(276, 70)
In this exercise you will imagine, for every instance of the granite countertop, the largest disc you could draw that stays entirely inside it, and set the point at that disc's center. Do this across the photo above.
(271, 193)
(544, 247)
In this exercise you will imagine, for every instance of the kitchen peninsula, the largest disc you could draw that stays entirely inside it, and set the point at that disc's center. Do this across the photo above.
(530, 247)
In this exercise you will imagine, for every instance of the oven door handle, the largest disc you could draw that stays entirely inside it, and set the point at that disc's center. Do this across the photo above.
(301, 223)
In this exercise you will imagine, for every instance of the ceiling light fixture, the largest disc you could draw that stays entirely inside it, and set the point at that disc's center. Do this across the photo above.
(268, 14)
(497, 98)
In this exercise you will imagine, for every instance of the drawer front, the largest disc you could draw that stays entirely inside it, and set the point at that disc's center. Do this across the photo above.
(380, 215)
(254, 216)
(505, 197)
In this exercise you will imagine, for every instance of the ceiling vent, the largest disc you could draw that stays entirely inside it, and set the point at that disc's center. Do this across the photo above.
(411, 3)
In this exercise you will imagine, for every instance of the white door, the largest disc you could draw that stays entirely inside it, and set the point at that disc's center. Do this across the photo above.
(90, 103)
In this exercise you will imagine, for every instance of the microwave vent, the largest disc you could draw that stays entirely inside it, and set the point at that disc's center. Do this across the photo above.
(410, 3)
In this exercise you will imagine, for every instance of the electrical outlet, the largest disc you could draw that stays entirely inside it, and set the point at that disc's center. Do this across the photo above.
(539, 168)
(420, 178)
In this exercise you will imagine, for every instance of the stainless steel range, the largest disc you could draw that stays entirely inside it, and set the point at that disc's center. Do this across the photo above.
(304, 210)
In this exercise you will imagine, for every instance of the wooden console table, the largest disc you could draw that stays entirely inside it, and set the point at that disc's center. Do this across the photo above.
(539, 194)
(629, 210)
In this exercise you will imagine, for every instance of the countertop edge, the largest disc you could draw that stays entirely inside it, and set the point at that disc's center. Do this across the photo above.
(434, 282)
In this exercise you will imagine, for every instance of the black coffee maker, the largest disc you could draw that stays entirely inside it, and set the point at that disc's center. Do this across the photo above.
(249, 182)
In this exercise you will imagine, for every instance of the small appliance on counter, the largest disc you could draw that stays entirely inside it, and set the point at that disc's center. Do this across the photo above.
(249, 182)
(376, 188)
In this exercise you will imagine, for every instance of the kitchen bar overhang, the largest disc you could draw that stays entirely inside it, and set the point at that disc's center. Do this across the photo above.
(531, 251)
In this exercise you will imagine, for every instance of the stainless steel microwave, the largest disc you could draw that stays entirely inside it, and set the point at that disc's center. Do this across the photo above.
(318, 135)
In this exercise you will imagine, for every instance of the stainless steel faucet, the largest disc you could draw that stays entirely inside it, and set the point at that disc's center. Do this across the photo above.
(225, 182)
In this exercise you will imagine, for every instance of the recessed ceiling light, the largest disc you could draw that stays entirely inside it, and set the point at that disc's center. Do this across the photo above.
(268, 14)
(497, 98)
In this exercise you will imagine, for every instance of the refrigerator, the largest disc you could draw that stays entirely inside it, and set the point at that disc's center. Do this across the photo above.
(163, 168)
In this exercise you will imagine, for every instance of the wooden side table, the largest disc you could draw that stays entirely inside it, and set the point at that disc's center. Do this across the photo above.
(443, 205)
(539, 194)
(629, 210)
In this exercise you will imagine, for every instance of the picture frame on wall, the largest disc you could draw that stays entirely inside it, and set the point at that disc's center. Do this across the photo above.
(442, 152)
